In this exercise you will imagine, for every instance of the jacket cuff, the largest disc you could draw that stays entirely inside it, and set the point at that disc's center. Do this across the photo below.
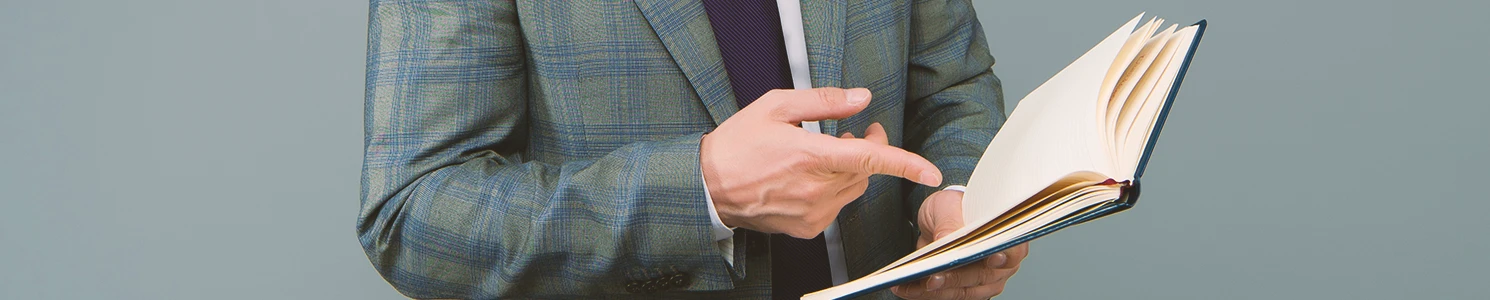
(671, 192)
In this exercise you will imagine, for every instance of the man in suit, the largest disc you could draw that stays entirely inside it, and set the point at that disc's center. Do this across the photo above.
(651, 148)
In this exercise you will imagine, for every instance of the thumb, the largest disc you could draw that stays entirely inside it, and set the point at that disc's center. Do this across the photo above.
(795, 106)
(941, 214)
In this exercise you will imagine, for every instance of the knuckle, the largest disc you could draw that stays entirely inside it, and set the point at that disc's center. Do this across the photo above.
(955, 294)
(811, 156)
(779, 112)
(864, 161)
(830, 95)
(863, 157)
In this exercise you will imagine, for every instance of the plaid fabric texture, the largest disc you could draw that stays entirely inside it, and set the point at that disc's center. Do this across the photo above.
(549, 149)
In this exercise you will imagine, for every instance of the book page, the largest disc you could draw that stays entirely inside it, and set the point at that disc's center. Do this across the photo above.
(1134, 73)
(1135, 133)
(1135, 41)
(1145, 72)
(1146, 86)
(1115, 73)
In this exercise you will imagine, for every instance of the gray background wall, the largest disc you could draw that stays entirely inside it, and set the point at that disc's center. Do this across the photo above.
(194, 149)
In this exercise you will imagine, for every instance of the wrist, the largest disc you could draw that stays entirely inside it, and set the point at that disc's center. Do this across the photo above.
(714, 191)
(723, 209)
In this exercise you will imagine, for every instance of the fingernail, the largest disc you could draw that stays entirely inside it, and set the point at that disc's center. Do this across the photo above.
(936, 282)
(856, 96)
(998, 260)
(930, 178)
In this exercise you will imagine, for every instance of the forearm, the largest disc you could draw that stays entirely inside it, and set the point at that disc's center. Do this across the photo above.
(495, 227)
(955, 102)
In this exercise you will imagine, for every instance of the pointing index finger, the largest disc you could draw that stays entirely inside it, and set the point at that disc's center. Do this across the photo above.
(862, 156)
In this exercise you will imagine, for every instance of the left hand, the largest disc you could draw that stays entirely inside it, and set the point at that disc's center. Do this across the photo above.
(940, 215)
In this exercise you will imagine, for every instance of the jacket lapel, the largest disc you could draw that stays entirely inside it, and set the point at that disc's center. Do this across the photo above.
(684, 29)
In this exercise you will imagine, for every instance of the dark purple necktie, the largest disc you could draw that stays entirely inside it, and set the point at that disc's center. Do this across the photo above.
(749, 37)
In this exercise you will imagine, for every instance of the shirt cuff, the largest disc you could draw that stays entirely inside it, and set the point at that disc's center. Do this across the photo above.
(724, 236)
(959, 188)
(721, 231)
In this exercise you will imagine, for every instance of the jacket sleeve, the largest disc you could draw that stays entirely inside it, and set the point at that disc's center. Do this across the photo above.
(450, 207)
(954, 103)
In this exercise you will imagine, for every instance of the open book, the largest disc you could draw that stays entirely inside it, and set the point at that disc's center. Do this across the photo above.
(1071, 151)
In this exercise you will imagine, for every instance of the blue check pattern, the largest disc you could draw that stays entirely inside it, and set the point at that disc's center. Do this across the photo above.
(549, 149)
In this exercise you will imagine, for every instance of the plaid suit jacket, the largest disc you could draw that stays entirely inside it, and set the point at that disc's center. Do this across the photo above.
(550, 149)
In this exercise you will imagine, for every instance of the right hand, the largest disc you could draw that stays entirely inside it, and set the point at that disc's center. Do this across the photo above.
(767, 174)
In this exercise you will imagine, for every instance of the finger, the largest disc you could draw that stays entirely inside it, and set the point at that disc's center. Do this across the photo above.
(1001, 275)
(853, 190)
(899, 291)
(993, 284)
(986, 291)
(937, 281)
(1016, 255)
(794, 106)
(997, 260)
(863, 156)
(910, 290)
(970, 275)
(847, 135)
(876, 133)
(956, 293)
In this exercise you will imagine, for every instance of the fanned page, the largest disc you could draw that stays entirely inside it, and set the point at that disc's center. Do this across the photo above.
(1141, 112)
(1052, 133)
(1066, 153)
